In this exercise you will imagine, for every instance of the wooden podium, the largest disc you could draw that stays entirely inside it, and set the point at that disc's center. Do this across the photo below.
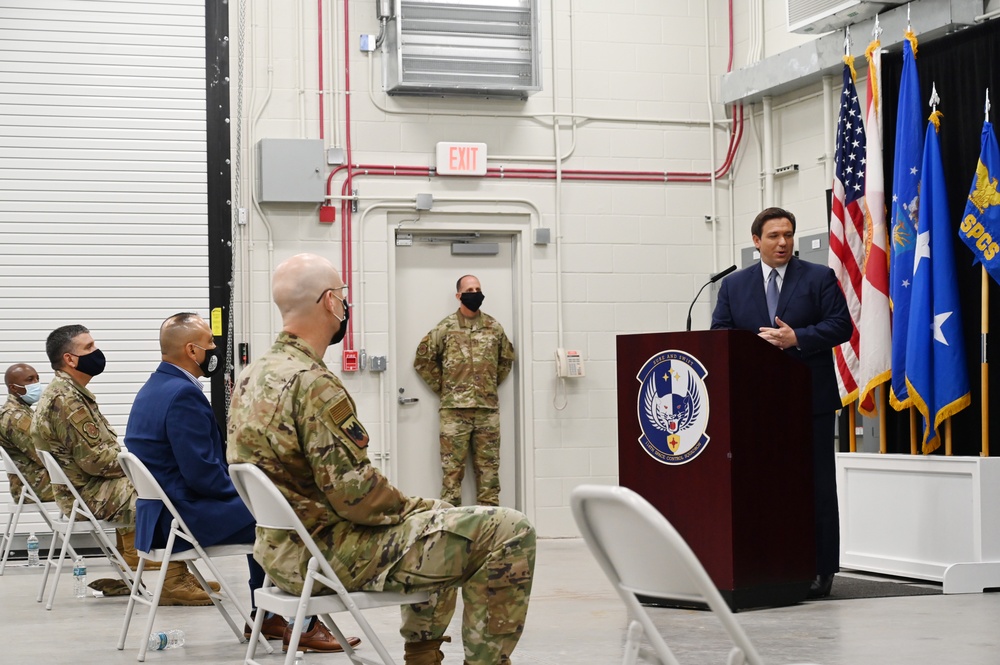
(741, 492)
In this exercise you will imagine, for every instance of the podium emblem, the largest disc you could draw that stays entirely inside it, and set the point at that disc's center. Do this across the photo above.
(673, 407)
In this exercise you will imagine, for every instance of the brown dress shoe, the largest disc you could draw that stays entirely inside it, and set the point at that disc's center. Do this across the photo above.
(318, 638)
(273, 627)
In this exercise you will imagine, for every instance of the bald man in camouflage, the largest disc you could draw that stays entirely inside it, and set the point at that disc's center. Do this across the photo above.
(463, 359)
(23, 391)
(293, 419)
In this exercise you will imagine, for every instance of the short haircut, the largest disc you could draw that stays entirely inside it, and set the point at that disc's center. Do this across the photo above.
(458, 284)
(60, 341)
(176, 327)
(180, 317)
(8, 376)
(766, 215)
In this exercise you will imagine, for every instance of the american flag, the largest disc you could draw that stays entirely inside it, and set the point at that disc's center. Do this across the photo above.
(847, 226)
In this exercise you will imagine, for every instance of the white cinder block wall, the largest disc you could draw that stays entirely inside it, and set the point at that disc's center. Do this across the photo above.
(633, 254)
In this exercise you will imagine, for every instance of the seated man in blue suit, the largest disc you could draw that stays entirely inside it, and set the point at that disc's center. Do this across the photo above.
(799, 307)
(173, 430)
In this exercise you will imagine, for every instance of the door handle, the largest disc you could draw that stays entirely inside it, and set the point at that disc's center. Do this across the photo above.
(406, 400)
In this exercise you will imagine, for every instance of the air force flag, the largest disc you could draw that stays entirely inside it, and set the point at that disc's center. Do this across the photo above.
(903, 219)
(936, 374)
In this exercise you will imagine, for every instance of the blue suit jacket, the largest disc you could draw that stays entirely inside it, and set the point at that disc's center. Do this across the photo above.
(173, 430)
(811, 302)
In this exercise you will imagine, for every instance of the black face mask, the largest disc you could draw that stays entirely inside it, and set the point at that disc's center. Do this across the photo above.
(473, 301)
(92, 363)
(338, 336)
(210, 365)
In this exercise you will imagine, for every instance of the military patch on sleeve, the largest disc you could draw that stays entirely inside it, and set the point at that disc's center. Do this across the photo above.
(24, 424)
(78, 415)
(355, 431)
(90, 429)
(341, 410)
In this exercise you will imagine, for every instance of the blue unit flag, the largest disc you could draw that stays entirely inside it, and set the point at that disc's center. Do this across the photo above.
(980, 227)
(903, 220)
(936, 374)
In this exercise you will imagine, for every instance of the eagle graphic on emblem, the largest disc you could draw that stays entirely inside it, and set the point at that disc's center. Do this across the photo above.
(672, 413)
(985, 194)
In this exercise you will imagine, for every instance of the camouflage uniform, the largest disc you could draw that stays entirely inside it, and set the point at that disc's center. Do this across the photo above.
(15, 437)
(292, 418)
(69, 425)
(464, 360)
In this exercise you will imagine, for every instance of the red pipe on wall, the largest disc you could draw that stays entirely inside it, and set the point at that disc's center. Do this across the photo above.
(579, 175)
(348, 262)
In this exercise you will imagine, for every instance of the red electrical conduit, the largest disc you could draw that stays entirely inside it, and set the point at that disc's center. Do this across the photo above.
(347, 257)
(389, 170)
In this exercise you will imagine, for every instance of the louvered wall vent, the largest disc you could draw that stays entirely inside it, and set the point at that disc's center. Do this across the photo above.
(463, 48)
(813, 17)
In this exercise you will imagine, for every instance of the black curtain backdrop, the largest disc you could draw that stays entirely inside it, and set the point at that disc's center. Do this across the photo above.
(962, 65)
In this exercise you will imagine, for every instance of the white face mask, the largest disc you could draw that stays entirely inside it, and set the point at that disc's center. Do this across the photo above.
(33, 391)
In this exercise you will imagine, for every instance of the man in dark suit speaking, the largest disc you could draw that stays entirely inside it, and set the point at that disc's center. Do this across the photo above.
(799, 307)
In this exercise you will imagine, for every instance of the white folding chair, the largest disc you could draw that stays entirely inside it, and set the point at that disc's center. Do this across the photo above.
(62, 530)
(147, 487)
(29, 496)
(642, 554)
(272, 511)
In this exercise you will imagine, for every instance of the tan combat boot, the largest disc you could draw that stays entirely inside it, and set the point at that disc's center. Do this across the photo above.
(424, 653)
(126, 547)
(181, 588)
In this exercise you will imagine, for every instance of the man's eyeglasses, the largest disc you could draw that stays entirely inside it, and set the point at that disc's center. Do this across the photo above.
(333, 288)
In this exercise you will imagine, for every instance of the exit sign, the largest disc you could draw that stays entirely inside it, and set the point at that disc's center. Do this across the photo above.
(461, 158)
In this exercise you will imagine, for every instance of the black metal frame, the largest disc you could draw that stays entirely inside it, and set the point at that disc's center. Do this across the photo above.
(218, 174)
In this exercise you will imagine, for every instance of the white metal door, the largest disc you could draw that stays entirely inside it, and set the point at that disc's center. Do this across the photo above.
(426, 272)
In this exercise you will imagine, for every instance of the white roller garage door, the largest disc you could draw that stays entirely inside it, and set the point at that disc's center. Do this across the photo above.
(103, 204)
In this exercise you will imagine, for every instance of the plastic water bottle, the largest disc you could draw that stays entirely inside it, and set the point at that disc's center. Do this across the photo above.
(166, 639)
(300, 658)
(80, 577)
(33, 550)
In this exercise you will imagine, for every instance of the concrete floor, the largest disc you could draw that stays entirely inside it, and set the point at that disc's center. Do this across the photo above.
(575, 617)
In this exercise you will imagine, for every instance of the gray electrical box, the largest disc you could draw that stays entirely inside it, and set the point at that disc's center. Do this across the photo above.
(291, 171)
(814, 248)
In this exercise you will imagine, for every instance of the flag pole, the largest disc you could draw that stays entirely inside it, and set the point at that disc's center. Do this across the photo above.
(934, 101)
(852, 420)
(984, 374)
(883, 405)
(913, 410)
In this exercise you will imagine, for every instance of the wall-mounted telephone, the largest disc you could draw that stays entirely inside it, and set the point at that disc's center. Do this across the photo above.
(569, 364)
